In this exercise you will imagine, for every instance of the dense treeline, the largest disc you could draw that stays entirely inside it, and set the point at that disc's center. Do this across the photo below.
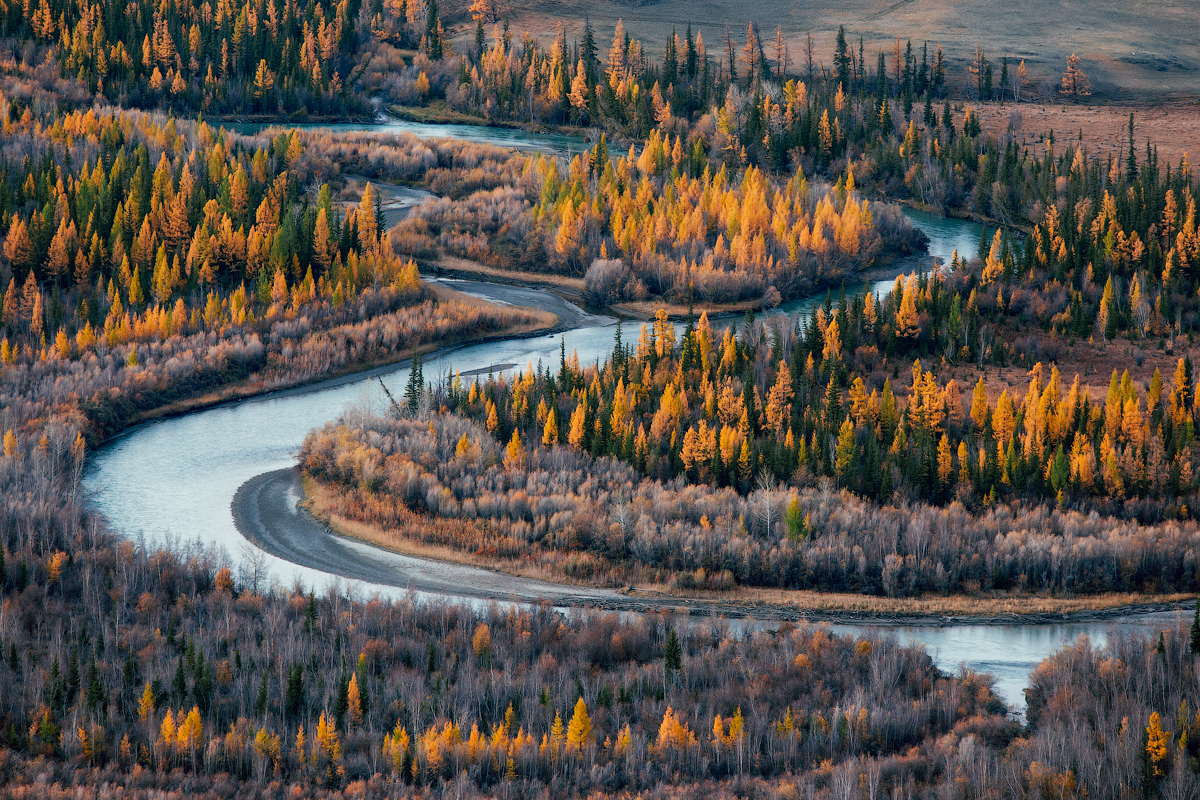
(117, 658)
(149, 671)
(799, 401)
(1113, 241)
(252, 57)
(559, 512)
(131, 287)
(122, 227)
(673, 227)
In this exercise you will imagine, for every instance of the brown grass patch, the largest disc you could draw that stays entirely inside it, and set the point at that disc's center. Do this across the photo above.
(453, 265)
(929, 605)
(1173, 128)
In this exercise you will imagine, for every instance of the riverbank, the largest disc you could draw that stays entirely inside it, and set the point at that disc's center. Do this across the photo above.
(547, 323)
(294, 526)
(438, 112)
(456, 267)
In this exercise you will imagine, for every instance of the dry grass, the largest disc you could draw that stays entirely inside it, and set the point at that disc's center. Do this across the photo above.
(930, 605)
(1173, 128)
(1131, 51)
(454, 265)
(435, 112)
(543, 319)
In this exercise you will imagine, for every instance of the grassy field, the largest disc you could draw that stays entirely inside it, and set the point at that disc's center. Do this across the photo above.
(1145, 52)
(1173, 128)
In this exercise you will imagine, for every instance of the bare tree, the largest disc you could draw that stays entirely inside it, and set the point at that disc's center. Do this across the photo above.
(783, 59)
(252, 571)
(808, 55)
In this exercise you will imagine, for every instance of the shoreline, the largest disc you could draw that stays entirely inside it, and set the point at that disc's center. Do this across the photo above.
(350, 373)
(455, 267)
(315, 507)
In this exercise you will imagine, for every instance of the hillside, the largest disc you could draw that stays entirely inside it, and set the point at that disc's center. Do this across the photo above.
(1131, 51)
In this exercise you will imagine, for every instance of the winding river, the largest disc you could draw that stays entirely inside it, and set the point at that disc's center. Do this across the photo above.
(172, 482)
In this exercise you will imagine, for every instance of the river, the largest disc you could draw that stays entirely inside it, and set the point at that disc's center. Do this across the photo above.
(172, 481)
(516, 138)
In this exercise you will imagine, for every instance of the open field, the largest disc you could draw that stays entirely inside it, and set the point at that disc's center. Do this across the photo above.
(1133, 52)
(1093, 361)
(1173, 128)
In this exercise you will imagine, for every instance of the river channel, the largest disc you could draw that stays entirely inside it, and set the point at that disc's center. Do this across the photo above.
(172, 482)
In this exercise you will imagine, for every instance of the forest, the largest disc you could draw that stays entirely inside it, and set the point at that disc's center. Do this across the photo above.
(151, 671)
(154, 261)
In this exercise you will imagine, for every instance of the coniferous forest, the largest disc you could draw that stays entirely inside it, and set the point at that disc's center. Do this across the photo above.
(1017, 423)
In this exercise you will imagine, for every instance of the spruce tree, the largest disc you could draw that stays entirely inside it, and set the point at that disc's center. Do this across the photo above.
(841, 59)
(260, 703)
(433, 32)
(342, 703)
(672, 653)
(293, 703)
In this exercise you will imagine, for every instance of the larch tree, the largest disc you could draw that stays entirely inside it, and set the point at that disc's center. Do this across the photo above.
(1075, 83)
(579, 730)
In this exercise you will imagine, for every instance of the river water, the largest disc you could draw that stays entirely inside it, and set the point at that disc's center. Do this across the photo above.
(516, 138)
(171, 482)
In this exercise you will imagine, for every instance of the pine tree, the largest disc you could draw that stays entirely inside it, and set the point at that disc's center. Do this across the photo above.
(260, 702)
(433, 32)
(672, 653)
(841, 59)
(293, 703)
(416, 384)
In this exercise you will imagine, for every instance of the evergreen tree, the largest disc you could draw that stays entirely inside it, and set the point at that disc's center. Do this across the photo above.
(433, 31)
(841, 59)
(415, 386)
(293, 702)
(260, 702)
(672, 653)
